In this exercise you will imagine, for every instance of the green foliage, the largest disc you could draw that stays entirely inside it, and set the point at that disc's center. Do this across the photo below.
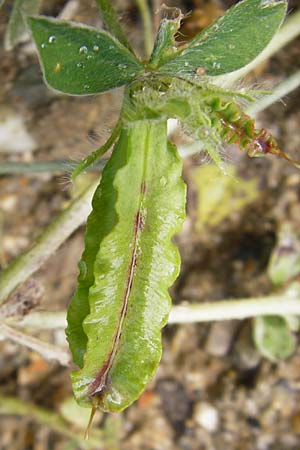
(16, 27)
(165, 44)
(285, 259)
(233, 41)
(109, 17)
(273, 337)
(128, 264)
(81, 60)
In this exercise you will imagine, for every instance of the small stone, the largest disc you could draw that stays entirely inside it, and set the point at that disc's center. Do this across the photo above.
(8, 202)
(14, 137)
(207, 417)
(220, 338)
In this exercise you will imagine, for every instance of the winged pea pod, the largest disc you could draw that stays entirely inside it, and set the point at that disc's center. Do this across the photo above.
(129, 262)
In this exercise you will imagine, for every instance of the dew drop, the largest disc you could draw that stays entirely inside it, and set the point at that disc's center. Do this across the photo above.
(52, 39)
(96, 48)
(82, 270)
(83, 50)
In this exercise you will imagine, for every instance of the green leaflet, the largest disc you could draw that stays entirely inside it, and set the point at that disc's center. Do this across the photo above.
(77, 59)
(165, 46)
(129, 263)
(233, 41)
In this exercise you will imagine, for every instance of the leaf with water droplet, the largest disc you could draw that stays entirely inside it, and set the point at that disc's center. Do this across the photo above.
(232, 42)
(91, 60)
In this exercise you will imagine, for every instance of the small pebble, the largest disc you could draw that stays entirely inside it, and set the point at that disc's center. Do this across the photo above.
(207, 417)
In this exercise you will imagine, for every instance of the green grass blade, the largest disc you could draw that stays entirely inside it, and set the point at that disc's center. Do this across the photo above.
(127, 267)
(77, 59)
(232, 42)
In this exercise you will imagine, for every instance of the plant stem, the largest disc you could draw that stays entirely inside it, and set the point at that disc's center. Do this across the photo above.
(110, 18)
(16, 167)
(48, 351)
(147, 25)
(234, 309)
(14, 406)
(48, 242)
(281, 90)
(190, 313)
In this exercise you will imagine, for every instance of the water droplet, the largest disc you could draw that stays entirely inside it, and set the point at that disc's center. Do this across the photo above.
(163, 181)
(83, 50)
(96, 48)
(52, 39)
(82, 270)
(43, 45)
(122, 66)
(80, 65)
(57, 68)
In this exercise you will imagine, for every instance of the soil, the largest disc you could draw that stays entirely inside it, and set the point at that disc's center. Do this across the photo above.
(213, 389)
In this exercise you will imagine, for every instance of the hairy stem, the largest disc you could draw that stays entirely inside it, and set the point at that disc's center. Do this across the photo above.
(147, 26)
(110, 18)
(48, 242)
